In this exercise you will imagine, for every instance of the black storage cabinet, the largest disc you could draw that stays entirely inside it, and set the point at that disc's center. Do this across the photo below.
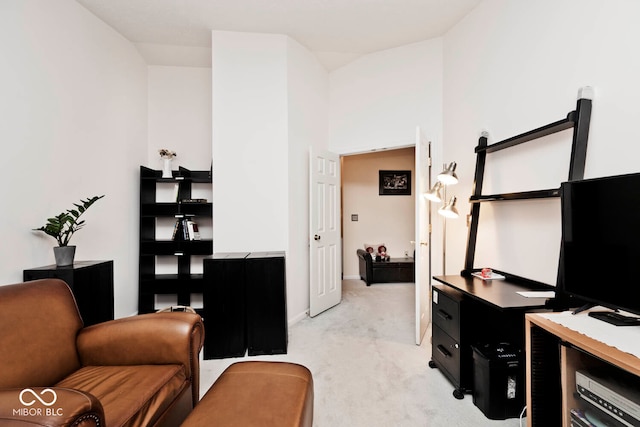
(245, 304)
(499, 384)
(91, 283)
(266, 303)
(224, 305)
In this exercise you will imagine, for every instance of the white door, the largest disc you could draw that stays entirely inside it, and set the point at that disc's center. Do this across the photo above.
(423, 236)
(325, 263)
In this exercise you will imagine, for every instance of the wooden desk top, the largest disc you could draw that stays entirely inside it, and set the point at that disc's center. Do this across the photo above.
(624, 360)
(500, 293)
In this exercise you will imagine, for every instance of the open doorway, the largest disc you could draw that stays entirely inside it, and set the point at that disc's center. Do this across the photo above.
(399, 217)
(371, 218)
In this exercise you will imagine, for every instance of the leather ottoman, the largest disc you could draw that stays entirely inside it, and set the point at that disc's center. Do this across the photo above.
(277, 394)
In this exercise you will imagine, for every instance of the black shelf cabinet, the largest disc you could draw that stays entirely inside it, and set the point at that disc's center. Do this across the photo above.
(184, 282)
(91, 283)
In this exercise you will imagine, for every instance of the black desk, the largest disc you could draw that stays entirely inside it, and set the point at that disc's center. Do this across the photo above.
(502, 294)
(91, 283)
(469, 311)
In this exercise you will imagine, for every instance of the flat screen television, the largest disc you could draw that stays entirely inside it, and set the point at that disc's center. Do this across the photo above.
(601, 241)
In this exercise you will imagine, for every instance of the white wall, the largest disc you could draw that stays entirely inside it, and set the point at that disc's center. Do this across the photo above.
(378, 100)
(512, 66)
(73, 111)
(74, 118)
(308, 99)
(250, 146)
(269, 107)
(180, 115)
(381, 219)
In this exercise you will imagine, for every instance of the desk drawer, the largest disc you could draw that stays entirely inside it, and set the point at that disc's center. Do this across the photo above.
(446, 353)
(446, 310)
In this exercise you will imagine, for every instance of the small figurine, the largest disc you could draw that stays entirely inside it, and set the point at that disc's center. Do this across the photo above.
(371, 253)
(382, 252)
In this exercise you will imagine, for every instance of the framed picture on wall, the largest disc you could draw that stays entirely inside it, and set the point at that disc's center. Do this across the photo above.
(394, 183)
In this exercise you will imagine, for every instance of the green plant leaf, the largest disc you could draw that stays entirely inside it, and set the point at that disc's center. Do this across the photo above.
(63, 226)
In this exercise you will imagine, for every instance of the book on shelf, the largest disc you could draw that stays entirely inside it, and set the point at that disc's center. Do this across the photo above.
(193, 200)
(176, 193)
(176, 230)
(192, 227)
(185, 228)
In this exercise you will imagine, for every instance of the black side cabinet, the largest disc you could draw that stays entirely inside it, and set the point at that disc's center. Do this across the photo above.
(224, 305)
(266, 303)
(245, 304)
(91, 283)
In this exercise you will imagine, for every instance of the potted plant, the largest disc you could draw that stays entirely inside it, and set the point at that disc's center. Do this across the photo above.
(62, 227)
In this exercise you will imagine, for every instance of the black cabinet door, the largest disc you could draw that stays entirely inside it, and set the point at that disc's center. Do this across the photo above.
(266, 303)
(224, 305)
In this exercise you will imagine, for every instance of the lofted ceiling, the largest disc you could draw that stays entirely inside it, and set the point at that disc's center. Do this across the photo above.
(336, 31)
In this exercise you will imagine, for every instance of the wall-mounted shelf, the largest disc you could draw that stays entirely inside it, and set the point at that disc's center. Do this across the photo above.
(524, 195)
(578, 120)
(549, 129)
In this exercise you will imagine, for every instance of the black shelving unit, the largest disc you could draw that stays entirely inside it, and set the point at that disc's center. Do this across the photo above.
(183, 283)
(464, 299)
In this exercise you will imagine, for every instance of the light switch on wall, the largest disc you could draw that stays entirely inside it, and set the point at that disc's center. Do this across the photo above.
(354, 217)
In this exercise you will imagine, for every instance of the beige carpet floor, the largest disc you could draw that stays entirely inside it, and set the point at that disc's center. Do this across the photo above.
(367, 369)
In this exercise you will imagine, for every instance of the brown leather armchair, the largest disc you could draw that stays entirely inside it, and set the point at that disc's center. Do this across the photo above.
(135, 371)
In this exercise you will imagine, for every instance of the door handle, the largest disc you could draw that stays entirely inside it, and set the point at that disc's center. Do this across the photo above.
(423, 243)
(316, 237)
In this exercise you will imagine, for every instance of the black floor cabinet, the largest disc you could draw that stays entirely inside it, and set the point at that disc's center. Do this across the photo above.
(245, 304)
(91, 283)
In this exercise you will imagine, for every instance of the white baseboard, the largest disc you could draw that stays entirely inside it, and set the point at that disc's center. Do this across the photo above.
(298, 318)
(356, 277)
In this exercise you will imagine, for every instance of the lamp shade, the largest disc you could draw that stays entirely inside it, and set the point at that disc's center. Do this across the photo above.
(448, 175)
(434, 194)
(449, 210)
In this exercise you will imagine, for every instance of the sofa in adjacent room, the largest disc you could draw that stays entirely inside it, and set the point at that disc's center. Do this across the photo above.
(134, 371)
(390, 270)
